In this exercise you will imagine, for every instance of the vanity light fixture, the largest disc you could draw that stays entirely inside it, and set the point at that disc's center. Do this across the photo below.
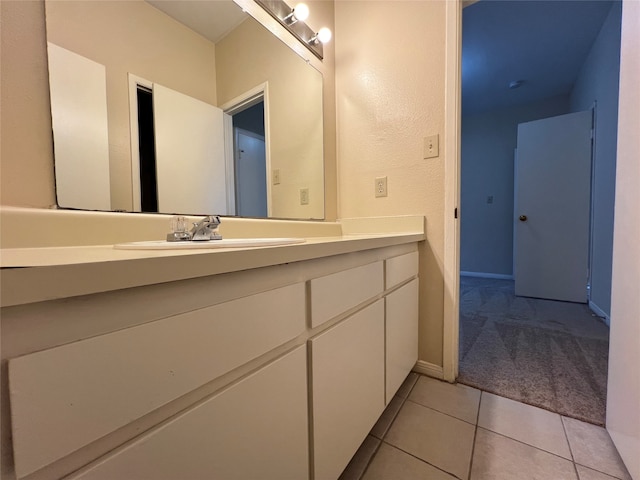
(299, 13)
(323, 36)
(293, 20)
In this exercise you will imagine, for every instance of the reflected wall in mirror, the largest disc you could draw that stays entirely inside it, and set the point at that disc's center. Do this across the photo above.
(177, 111)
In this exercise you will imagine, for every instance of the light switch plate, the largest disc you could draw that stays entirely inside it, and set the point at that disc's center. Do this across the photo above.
(304, 196)
(276, 176)
(431, 148)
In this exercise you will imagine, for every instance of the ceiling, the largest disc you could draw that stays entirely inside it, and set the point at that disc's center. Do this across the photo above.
(211, 19)
(543, 43)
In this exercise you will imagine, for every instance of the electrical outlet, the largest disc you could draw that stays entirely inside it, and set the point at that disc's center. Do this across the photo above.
(304, 196)
(431, 148)
(490, 199)
(276, 176)
(381, 186)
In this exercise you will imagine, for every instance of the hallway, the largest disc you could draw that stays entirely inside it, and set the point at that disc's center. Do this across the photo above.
(544, 353)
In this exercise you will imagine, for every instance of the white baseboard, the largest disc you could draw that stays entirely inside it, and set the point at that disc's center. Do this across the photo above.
(429, 369)
(499, 276)
(599, 312)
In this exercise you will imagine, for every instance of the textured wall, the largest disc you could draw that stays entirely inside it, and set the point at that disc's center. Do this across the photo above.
(488, 143)
(598, 81)
(390, 95)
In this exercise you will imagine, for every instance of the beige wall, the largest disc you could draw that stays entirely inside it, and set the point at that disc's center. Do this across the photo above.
(294, 109)
(26, 148)
(148, 44)
(623, 390)
(390, 94)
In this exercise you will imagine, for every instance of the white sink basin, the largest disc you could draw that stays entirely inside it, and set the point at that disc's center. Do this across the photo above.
(224, 243)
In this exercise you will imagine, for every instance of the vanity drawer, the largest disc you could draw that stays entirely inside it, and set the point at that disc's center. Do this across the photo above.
(400, 268)
(92, 387)
(334, 294)
(256, 429)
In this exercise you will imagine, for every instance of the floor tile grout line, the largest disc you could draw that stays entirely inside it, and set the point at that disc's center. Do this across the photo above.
(527, 444)
(562, 417)
(575, 462)
(599, 471)
(440, 412)
(566, 437)
(475, 436)
(406, 398)
(421, 459)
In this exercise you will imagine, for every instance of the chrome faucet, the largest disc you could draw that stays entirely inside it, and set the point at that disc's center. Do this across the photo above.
(203, 230)
(206, 229)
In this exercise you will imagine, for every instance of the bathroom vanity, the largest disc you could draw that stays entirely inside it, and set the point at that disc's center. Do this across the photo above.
(240, 363)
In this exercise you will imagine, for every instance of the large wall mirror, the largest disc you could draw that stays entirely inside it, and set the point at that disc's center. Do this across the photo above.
(185, 106)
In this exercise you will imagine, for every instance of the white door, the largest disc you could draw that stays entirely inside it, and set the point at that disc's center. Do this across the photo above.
(190, 161)
(80, 130)
(251, 174)
(552, 207)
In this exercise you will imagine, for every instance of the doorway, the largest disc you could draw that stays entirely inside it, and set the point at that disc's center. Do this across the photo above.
(487, 219)
(248, 170)
(249, 156)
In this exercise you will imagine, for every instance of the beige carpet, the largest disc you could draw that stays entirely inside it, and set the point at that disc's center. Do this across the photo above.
(545, 353)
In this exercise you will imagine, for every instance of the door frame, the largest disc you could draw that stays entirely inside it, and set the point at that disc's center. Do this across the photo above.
(257, 94)
(452, 136)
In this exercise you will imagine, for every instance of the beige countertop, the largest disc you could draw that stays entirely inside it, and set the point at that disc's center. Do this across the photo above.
(45, 273)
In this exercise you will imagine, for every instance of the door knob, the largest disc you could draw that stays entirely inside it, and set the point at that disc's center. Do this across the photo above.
(523, 218)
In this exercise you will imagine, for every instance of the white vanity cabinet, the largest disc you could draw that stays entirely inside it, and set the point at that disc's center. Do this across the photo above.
(276, 372)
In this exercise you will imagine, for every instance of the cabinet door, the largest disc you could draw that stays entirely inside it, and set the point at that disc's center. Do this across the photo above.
(256, 429)
(348, 388)
(401, 330)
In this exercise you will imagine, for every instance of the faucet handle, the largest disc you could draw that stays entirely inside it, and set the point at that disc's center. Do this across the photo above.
(178, 230)
(178, 224)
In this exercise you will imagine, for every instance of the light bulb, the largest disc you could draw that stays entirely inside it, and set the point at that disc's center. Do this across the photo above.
(301, 12)
(324, 35)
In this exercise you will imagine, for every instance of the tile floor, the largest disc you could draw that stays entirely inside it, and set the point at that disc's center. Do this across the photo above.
(435, 430)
